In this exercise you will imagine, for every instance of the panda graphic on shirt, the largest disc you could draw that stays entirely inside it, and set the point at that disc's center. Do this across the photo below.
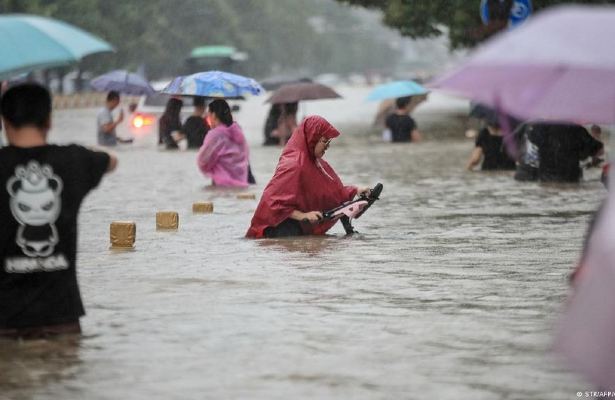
(35, 204)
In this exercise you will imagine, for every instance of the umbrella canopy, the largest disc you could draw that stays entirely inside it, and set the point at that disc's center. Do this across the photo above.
(124, 82)
(30, 42)
(302, 91)
(396, 89)
(558, 66)
(213, 84)
(274, 83)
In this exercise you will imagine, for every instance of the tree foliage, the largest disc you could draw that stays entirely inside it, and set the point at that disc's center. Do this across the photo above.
(459, 19)
(278, 35)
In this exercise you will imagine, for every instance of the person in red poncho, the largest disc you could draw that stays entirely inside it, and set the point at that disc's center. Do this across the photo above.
(302, 187)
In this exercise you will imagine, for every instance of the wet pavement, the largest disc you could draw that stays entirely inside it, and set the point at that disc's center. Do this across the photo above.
(450, 290)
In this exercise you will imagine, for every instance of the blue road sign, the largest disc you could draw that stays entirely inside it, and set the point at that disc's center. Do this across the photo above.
(520, 10)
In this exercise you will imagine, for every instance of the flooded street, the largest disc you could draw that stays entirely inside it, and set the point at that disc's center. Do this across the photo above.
(450, 291)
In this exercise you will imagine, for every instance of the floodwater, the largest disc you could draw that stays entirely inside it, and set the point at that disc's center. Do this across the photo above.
(450, 291)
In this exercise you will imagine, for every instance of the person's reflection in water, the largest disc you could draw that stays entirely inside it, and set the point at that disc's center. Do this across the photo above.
(29, 365)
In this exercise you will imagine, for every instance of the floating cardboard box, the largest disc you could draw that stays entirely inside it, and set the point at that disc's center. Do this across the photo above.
(123, 234)
(246, 196)
(167, 220)
(203, 208)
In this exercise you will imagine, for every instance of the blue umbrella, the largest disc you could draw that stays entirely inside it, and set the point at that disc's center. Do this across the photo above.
(397, 89)
(30, 42)
(123, 82)
(213, 84)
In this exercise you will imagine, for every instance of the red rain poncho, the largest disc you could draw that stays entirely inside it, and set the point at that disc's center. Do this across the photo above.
(301, 182)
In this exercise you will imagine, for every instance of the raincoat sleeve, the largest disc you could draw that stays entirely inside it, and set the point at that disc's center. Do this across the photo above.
(350, 192)
(209, 153)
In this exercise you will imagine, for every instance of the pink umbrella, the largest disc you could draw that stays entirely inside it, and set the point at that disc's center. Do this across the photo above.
(560, 66)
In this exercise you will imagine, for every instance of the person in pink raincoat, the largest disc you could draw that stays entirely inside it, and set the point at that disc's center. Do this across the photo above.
(224, 153)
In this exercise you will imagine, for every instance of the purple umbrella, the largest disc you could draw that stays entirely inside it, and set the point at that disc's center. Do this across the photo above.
(558, 66)
(122, 81)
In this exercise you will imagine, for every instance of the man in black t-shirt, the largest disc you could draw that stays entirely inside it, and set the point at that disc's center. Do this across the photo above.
(400, 123)
(561, 147)
(41, 189)
(490, 147)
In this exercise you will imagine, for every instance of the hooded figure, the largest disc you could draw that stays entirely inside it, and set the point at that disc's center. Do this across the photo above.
(224, 153)
(303, 182)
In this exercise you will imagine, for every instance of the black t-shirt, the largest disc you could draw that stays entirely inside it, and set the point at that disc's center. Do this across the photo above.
(41, 190)
(401, 127)
(494, 152)
(195, 130)
(560, 148)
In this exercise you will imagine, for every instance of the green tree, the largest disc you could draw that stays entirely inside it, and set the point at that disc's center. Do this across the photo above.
(278, 36)
(459, 19)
